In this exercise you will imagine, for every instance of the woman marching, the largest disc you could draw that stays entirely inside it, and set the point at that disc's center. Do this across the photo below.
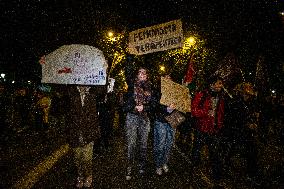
(163, 134)
(137, 109)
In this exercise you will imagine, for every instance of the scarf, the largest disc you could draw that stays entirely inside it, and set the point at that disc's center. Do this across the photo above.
(142, 92)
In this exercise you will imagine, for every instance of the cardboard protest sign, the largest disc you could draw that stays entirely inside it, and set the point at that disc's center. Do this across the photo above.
(174, 93)
(75, 64)
(156, 38)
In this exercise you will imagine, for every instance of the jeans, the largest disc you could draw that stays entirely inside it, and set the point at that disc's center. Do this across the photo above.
(163, 141)
(137, 131)
(83, 157)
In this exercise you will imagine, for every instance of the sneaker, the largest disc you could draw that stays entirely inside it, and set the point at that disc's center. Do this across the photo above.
(141, 171)
(166, 168)
(80, 182)
(88, 182)
(128, 177)
(159, 171)
(128, 173)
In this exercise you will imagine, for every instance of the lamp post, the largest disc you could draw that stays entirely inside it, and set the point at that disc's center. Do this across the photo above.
(112, 39)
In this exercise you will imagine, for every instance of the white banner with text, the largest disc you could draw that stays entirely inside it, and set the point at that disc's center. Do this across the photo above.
(75, 64)
(156, 38)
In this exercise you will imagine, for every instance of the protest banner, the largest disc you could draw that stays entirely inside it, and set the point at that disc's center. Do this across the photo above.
(174, 93)
(75, 64)
(156, 38)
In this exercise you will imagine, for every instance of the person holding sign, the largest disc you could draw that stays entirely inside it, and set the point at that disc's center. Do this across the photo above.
(81, 72)
(137, 109)
(164, 133)
(82, 127)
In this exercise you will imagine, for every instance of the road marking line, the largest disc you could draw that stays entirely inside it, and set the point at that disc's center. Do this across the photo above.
(33, 176)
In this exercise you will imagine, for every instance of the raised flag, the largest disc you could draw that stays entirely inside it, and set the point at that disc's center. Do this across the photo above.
(190, 71)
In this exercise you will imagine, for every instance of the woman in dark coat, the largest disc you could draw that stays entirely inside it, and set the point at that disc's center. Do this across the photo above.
(137, 124)
(83, 128)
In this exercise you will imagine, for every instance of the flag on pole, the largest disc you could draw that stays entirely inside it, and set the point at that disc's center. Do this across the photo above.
(190, 71)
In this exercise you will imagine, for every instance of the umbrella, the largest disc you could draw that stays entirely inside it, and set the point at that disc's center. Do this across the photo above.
(74, 64)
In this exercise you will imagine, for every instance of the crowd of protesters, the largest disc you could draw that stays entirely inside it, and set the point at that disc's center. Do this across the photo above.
(24, 105)
(225, 124)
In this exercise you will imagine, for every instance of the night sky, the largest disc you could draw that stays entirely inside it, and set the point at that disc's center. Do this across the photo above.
(30, 29)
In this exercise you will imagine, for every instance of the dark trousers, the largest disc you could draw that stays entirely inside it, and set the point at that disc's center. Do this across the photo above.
(214, 148)
(250, 154)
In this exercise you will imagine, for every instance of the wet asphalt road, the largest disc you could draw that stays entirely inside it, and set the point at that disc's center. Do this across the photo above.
(109, 171)
(42, 159)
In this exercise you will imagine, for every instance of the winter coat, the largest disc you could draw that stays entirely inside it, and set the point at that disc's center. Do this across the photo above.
(129, 102)
(82, 120)
(159, 111)
(239, 115)
(200, 107)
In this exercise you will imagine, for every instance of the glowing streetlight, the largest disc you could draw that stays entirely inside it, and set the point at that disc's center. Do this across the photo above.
(162, 68)
(110, 34)
(190, 41)
(273, 91)
(3, 75)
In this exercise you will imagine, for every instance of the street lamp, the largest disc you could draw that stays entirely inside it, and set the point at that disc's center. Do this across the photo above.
(162, 68)
(190, 41)
(273, 91)
(3, 75)
(110, 34)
